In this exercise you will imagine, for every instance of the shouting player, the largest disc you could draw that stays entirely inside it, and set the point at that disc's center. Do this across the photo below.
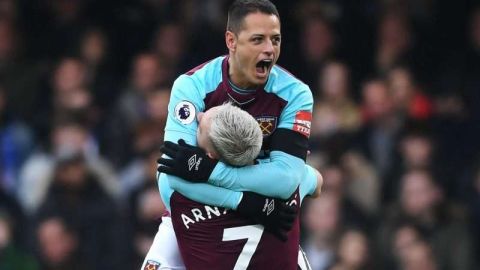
(282, 106)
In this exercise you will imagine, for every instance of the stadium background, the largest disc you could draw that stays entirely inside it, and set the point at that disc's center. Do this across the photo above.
(84, 87)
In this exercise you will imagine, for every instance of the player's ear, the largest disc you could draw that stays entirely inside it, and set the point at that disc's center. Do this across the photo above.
(212, 155)
(231, 40)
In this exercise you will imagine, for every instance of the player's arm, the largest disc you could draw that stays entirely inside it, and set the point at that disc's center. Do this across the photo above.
(312, 183)
(279, 178)
(181, 125)
(282, 175)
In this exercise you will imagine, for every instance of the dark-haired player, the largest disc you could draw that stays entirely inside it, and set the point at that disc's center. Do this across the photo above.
(282, 105)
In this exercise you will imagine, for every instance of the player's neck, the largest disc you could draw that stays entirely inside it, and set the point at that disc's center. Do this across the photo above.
(236, 77)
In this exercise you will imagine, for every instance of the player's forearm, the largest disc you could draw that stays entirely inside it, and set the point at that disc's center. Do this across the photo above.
(206, 193)
(278, 178)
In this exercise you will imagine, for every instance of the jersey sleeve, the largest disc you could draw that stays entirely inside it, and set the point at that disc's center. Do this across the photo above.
(206, 193)
(297, 115)
(308, 183)
(281, 176)
(185, 103)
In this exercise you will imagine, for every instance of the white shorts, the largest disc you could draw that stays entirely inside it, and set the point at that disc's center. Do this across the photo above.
(164, 253)
(303, 263)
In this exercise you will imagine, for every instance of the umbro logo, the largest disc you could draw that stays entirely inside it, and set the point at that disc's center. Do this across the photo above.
(269, 206)
(193, 162)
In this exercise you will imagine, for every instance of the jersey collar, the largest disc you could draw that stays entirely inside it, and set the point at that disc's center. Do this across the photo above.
(241, 97)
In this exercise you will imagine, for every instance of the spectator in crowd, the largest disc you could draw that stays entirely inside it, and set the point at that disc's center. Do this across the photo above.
(58, 245)
(443, 225)
(19, 77)
(77, 196)
(378, 138)
(322, 223)
(95, 53)
(335, 181)
(416, 149)
(169, 45)
(131, 108)
(407, 99)
(68, 136)
(16, 144)
(364, 185)
(12, 258)
(418, 256)
(317, 47)
(353, 252)
(336, 117)
(394, 42)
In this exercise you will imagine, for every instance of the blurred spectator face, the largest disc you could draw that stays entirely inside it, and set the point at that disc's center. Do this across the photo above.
(74, 100)
(56, 243)
(418, 194)
(353, 249)
(418, 257)
(69, 75)
(333, 180)
(93, 47)
(394, 33)
(474, 29)
(322, 216)
(416, 151)
(145, 72)
(376, 100)
(334, 82)
(401, 87)
(7, 39)
(69, 138)
(158, 104)
(404, 238)
(317, 40)
(72, 174)
(169, 42)
(147, 134)
(150, 205)
(5, 232)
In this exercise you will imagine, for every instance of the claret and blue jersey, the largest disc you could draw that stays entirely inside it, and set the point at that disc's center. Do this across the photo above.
(283, 108)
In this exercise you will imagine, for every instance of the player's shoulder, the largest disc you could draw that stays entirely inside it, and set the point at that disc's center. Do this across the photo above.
(201, 79)
(286, 85)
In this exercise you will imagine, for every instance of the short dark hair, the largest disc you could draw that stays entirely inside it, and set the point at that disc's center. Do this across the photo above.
(241, 8)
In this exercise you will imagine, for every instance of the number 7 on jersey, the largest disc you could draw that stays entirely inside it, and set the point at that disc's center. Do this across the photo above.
(252, 233)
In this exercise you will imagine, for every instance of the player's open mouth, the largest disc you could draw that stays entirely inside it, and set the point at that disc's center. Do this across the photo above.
(263, 67)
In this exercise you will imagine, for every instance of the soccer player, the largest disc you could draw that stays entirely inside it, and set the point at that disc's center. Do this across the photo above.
(282, 105)
(239, 137)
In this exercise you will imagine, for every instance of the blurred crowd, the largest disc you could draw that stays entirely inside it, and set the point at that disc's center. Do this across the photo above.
(84, 88)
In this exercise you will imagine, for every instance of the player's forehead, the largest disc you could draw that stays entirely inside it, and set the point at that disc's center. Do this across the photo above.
(260, 23)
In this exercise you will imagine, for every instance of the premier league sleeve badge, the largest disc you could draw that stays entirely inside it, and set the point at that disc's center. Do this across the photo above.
(185, 112)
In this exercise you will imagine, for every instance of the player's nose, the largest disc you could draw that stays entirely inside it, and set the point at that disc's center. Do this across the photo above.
(268, 48)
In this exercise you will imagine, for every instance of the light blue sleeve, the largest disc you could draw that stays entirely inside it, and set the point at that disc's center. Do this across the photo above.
(309, 182)
(280, 177)
(184, 93)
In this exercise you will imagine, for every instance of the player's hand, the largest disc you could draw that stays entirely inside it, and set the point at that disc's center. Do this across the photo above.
(274, 214)
(188, 162)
